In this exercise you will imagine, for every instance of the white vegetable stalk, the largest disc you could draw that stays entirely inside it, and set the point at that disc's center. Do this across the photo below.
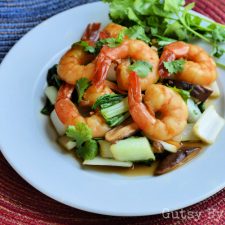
(194, 112)
(209, 125)
(215, 88)
(51, 93)
(188, 133)
(59, 126)
(66, 143)
(98, 161)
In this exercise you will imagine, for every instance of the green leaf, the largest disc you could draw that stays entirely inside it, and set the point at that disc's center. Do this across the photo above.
(86, 46)
(173, 5)
(189, 6)
(89, 150)
(80, 133)
(132, 16)
(183, 93)
(53, 77)
(81, 85)
(137, 32)
(118, 9)
(142, 68)
(176, 30)
(107, 100)
(175, 66)
(48, 107)
(218, 34)
(163, 41)
(218, 51)
(144, 7)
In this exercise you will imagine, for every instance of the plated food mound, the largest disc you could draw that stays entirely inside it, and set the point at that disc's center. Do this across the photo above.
(117, 99)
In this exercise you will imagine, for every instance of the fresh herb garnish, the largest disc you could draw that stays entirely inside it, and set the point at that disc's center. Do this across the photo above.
(137, 32)
(89, 150)
(48, 107)
(53, 77)
(81, 85)
(175, 66)
(87, 47)
(80, 133)
(142, 68)
(168, 18)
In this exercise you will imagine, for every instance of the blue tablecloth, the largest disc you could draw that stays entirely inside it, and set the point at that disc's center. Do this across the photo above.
(17, 17)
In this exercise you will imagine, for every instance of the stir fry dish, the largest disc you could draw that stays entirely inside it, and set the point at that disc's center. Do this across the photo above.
(118, 99)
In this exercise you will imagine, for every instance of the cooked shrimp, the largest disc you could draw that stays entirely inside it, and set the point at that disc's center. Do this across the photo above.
(75, 64)
(93, 93)
(199, 67)
(163, 114)
(135, 49)
(68, 113)
(112, 30)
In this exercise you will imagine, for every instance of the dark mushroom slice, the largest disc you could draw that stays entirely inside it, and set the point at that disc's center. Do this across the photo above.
(198, 92)
(174, 160)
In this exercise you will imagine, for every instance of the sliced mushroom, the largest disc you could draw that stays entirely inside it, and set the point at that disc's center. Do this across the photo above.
(200, 93)
(121, 132)
(177, 159)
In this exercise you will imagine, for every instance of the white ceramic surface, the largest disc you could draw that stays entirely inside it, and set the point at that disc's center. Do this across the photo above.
(28, 141)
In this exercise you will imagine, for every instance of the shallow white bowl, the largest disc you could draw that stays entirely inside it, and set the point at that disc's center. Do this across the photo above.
(28, 141)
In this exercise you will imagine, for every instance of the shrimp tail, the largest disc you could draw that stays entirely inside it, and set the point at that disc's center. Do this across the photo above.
(139, 113)
(134, 90)
(102, 66)
(175, 50)
(92, 32)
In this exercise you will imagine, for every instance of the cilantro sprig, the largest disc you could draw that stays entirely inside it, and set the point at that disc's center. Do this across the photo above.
(81, 86)
(175, 66)
(142, 68)
(170, 19)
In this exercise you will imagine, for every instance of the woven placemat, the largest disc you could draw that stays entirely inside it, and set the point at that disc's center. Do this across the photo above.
(22, 204)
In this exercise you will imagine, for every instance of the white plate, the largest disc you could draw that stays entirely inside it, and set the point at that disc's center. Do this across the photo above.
(28, 141)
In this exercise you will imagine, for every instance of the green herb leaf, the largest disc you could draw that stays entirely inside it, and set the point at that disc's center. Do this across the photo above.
(142, 68)
(53, 77)
(89, 150)
(175, 66)
(86, 46)
(183, 93)
(137, 32)
(173, 5)
(80, 133)
(81, 85)
(218, 51)
(107, 100)
(48, 108)
(167, 18)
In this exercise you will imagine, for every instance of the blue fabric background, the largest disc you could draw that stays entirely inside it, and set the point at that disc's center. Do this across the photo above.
(17, 17)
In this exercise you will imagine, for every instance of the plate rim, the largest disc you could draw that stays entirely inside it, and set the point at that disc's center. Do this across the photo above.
(4, 151)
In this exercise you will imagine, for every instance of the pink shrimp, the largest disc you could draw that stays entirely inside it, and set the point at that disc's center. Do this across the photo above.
(163, 114)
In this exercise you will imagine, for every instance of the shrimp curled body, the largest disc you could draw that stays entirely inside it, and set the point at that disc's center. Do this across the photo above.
(199, 67)
(163, 114)
(75, 64)
(69, 114)
(135, 49)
